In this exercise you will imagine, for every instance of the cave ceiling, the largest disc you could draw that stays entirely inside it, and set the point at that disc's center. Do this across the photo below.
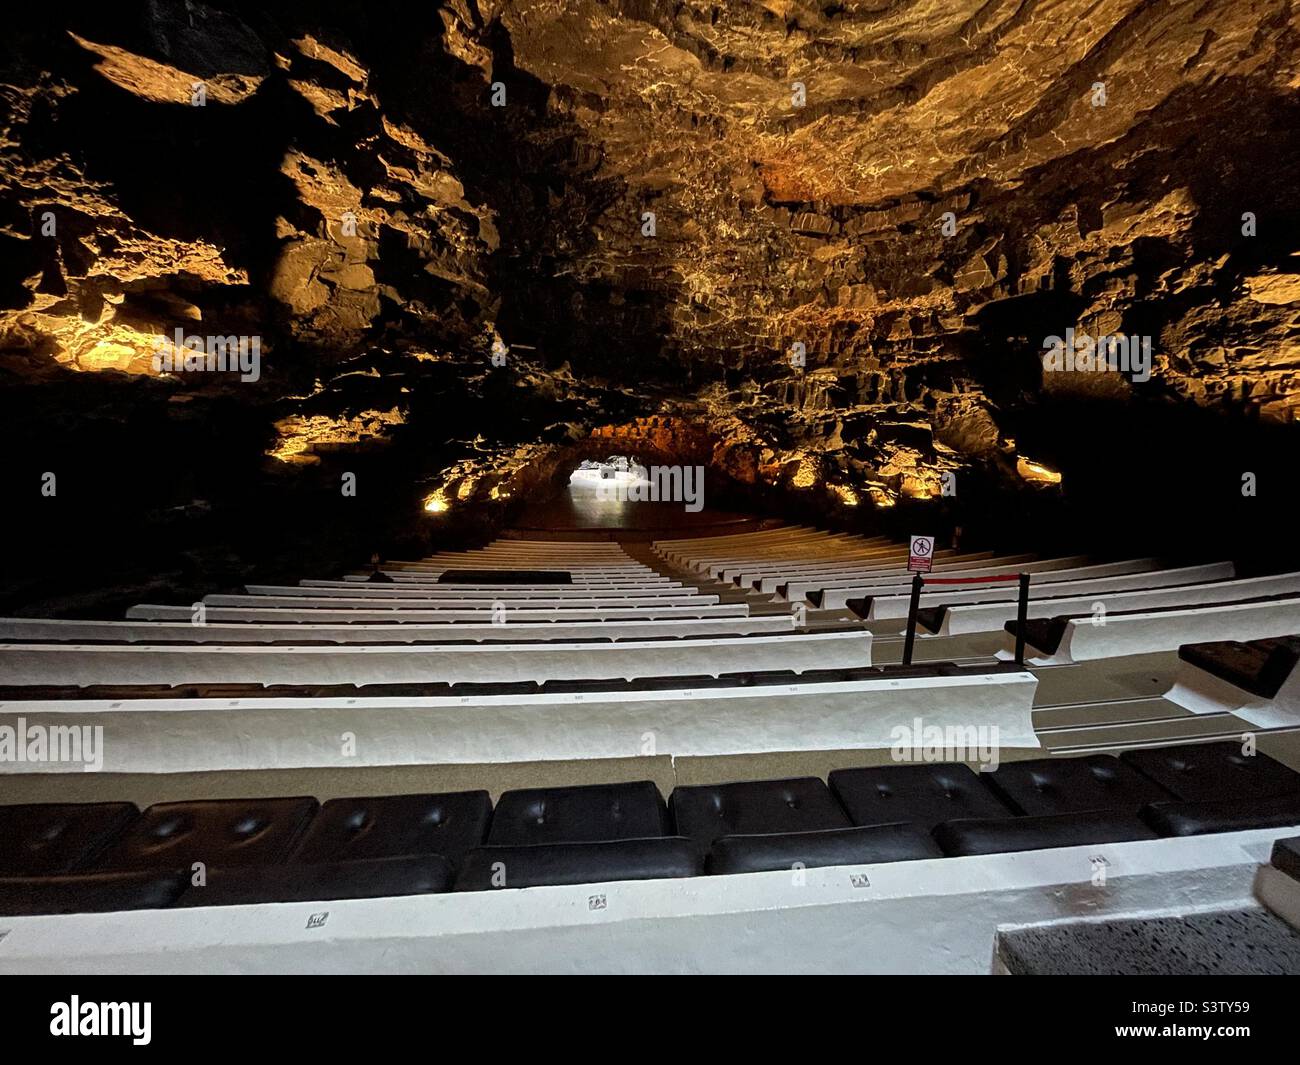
(828, 236)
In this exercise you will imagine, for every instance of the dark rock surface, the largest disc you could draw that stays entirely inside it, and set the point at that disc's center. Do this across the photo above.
(1225, 943)
(844, 299)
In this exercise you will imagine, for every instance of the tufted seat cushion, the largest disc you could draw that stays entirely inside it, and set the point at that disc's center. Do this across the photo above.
(1223, 815)
(707, 812)
(835, 846)
(925, 795)
(586, 814)
(1203, 771)
(1046, 786)
(660, 858)
(1040, 833)
(46, 839)
(89, 893)
(390, 826)
(219, 832)
(243, 885)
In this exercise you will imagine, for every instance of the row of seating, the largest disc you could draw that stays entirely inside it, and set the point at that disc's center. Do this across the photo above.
(867, 577)
(506, 583)
(1077, 637)
(93, 857)
(444, 664)
(1054, 603)
(955, 609)
(298, 633)
(836, 593)
(774, 678)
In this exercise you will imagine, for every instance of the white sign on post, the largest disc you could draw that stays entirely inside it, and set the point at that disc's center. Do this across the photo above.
(920, 554)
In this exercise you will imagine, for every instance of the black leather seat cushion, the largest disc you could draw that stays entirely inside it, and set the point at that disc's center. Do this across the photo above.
(586, 814)
(1039, 833)
(46, 839)
(930, 618)
(706, 812)
(1286, 856)
(835, 846)
(219, 832)
(1247, 666)
(1223, 815)
(89, 893)
(372, 879)
(661, 858)
(925, 795)
(1198, 772)
(391, 826)
(1046, 786)
(1045, 634)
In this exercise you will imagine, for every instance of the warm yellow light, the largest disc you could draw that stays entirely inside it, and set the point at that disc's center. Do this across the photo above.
(806, 475)
(880, 497)
(847, 495)
(437, 503)
(1036, 471)
(466, 487)
(298, 434)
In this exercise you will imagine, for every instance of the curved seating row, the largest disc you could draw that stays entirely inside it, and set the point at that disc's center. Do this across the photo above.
(222, 727)
(700, 554)
(108, 856)
(953, 611)
(301, 633)
(835, 593)
(1079, 637)
(264, 608)
(505, 661)
(507, 592)
(511, 593)
(1191, 596)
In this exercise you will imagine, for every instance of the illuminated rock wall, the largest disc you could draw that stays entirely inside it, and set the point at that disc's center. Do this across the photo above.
(828, 242)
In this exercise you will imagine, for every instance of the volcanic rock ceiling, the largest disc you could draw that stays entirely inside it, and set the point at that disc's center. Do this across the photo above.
(818, 247)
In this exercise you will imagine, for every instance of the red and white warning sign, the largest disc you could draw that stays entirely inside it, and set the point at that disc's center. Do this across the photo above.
(920, 554)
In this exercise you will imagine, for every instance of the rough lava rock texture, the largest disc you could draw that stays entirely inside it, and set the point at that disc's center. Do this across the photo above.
(816, 247)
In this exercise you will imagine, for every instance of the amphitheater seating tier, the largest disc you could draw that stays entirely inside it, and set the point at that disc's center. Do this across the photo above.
(480, 626)
(88, 857)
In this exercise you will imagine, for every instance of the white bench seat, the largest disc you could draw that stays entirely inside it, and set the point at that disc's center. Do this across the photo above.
(1167, 630)
(797, 586)
(211, 734)
(1043, 574)
(781, 572)
(618, 583)
(452, 595)
(72, 664)
(329, 612)
(410, 632)
(987, 617)
(804, 587)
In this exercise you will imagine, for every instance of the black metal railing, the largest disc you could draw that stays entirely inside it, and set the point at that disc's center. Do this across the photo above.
(1022, 610)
